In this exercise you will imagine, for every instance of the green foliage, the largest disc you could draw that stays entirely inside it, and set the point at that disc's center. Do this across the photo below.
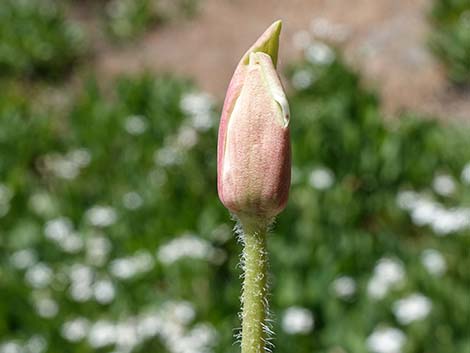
(344, 229)
(450, 39)
(36, 39)
(126, 19)
(112, 234)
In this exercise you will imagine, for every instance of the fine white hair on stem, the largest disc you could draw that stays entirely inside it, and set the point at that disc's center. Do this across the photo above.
(259, 255)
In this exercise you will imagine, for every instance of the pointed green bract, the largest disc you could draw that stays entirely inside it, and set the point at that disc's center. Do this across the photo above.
(268, 43)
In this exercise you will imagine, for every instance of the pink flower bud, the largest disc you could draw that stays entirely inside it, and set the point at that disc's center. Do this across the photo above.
(254, 158)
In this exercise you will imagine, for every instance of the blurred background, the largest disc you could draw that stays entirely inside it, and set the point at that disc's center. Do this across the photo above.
(112, 238)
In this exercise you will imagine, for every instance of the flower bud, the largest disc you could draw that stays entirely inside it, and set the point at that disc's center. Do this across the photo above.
(254, 158)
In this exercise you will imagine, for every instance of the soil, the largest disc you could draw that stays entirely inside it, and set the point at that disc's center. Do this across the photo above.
(385, 39)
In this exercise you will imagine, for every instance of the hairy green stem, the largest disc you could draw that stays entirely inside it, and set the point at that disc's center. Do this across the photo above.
(255, 330)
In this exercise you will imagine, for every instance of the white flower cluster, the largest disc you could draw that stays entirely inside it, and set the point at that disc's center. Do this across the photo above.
(43, 204)
(135, 124)
(321, 178)
(319, 53)
(444, 185)
(344, 287)
(302, 79)
(128, 267)
(98, 248)
(414, 307)
(67, 166)
(315, 47)
(169, 323)
(386, 340)
(61, 232)
(388, 274)
(199, 109)
(39, 275)
(81, 282)
(321, 29)
(132, 200)
(434, 262)
(101, 216)
(186, 246)
(34, 344)
(176, 146)
(297, 320)
(465, 175)
(46, 307)
(425, 211)
(6, 194)
(23, 259)
(198, 106)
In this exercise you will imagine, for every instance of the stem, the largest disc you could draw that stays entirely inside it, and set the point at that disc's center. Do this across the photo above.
(255, 288)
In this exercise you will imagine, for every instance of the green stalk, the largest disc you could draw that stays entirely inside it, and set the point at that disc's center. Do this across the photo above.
(255, 330)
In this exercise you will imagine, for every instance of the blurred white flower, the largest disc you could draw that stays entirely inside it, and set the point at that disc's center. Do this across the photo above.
(97, 250)
(69, 165)
(82, 278)
(75, 330)
(135, 124)
(39, 276)
(199, 107)
(444, 185)
(414, 307)
(23, 259)
(175, 316)
(185, 246)
(187, 137)
(101, 334)
(425, 211)
(450, 221)
(149, 325)
(170, 322)
(11, 347)
(81, 273)
(182, 312)
(36, 344)
(80, 157)
(297, 320)
(301, 39)
(167, 156)
(132, 200)
(128, 267)
(196, 103)
(388, 274)
(42, 204)
(6, 194)
(434, 262)
(321, 178)
(58, 229)
(157, 177)
(126, 335)
(344, 287)
(101, 216)
(46, 307)
(202, 122)
(81, 292)
(104, 291)
(465, 176)
(322, 28)
(407, 199)
(386, 340)
(319, 53)
(302, 79)
(199, 339)
(72, 243)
